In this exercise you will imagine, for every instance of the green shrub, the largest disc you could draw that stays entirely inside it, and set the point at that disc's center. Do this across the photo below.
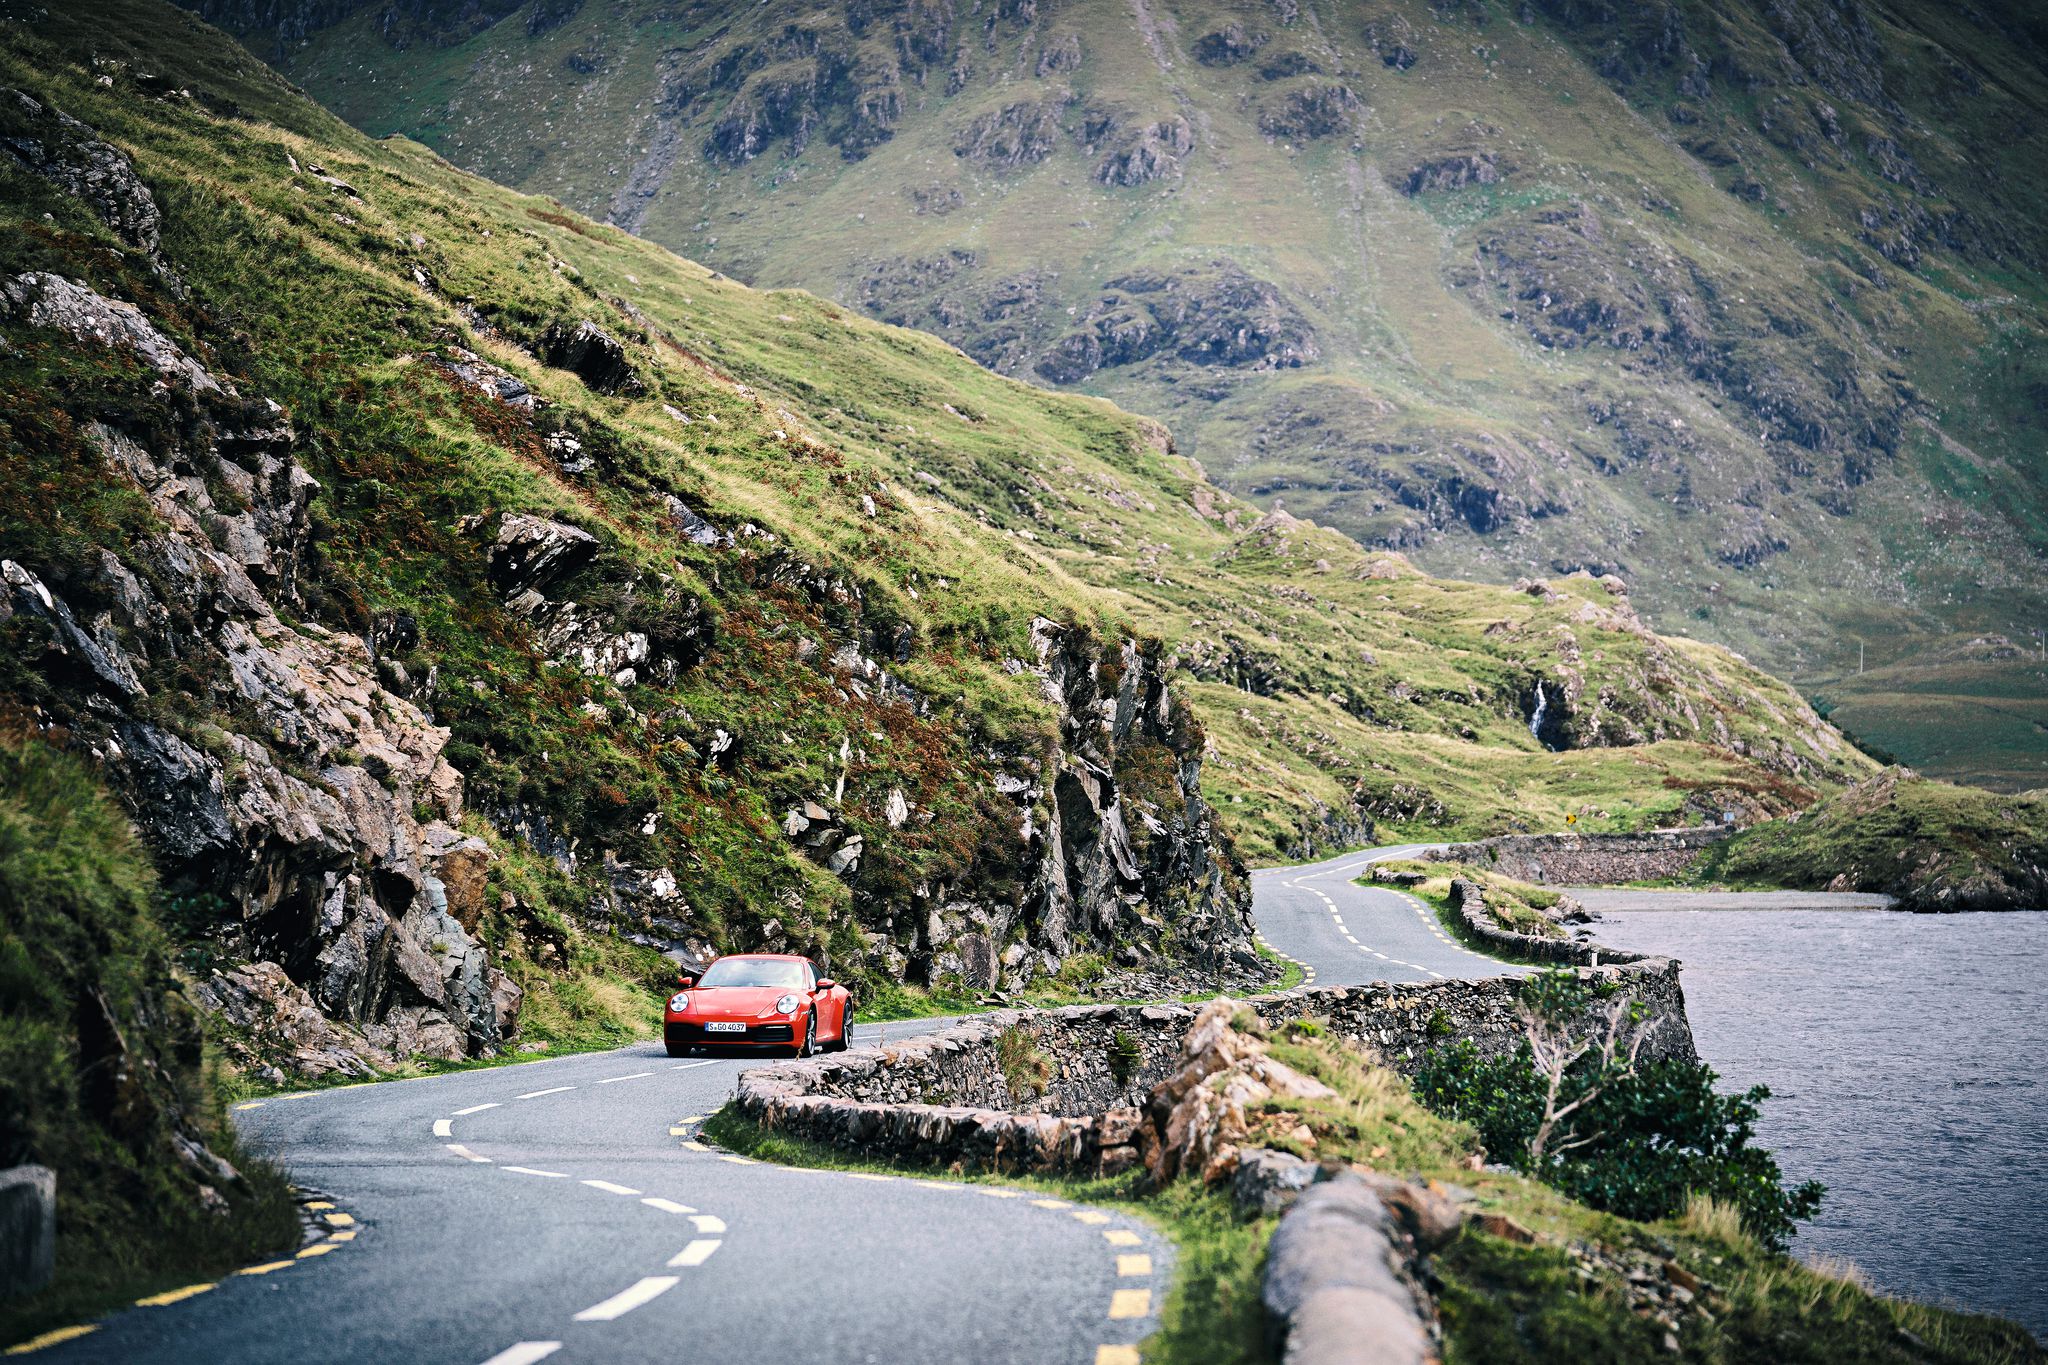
(1125, 1057)
(1025, 1069)
(1652, 1136)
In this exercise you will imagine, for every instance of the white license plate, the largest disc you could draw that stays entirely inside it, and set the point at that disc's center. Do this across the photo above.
(724, 1027)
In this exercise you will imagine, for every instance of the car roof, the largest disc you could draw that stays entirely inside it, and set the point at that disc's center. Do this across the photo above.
(772, 957)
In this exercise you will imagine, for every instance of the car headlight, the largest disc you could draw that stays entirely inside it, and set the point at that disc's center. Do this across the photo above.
(786, 1005)
(679, 1002)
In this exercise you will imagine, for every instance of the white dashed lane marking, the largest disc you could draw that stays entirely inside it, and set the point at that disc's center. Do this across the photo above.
(626, 1300)
(536, 1094)
(525, 1353)
(466, 1154)
(444, 1128)
(475, 1109)
(528, 1170)
(610, 1188)
(667, 1205)
(636, 1076)
(696, 1253)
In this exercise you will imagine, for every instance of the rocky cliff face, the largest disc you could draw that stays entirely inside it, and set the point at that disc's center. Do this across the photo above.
(450, 667)
(270, 771)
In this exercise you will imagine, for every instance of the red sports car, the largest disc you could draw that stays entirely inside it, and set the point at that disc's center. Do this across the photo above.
(758, 1002)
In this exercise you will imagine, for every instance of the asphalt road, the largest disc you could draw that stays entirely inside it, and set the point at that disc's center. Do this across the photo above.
(562, 1210)
(1346, 934)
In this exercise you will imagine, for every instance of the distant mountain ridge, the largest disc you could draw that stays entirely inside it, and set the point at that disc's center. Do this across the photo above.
(1742, 302)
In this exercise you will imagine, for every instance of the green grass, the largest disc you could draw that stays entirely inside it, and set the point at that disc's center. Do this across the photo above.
(78, 937)
(1641, 455)
(1932, 845)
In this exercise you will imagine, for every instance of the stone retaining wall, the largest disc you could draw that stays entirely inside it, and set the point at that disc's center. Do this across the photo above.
(1590, 859)
(1468, 903)
(944, 1097)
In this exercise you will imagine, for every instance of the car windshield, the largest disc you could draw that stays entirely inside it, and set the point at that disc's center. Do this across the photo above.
(752, 971)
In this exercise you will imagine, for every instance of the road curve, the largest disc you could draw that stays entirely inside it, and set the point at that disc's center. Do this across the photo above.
(1345, 934)
(562, 1210)
(547, 1211)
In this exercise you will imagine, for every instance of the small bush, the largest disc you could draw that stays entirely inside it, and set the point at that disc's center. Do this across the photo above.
(1025, 1069)
(1125, 1057)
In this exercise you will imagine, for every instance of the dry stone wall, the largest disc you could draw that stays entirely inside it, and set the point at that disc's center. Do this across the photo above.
(1590, 859)
(947, 1097)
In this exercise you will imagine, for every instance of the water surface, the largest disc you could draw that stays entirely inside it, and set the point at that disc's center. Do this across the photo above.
(1907, 1057)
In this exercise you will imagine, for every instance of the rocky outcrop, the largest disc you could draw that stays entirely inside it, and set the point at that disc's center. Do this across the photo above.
(1205, 315)
(1015, 136)
(65, 152)
(1145, 153)
(306, 801)
(1313, 110)
(590, 353)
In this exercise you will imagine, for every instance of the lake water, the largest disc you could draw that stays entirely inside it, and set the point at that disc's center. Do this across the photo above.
(1907, 1057)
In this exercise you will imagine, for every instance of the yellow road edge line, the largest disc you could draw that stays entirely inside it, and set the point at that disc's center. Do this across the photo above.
(318, 1204)
(338, 1220)
(317, 1249)
(1121, 1237)
(52, 1338)
(266, 1268)
(1134, 1264)
(1092, 1217)
(348, 1236)
(1130, 1303)
(171, 1296)
(1116, 1355)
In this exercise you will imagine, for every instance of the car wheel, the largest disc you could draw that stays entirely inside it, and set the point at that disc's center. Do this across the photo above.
(845, 1039)
(809, 1045)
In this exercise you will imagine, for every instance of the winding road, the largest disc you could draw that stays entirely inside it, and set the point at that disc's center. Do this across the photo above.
(563, 1210)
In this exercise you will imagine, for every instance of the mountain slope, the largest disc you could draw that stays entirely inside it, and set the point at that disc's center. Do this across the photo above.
(1744, 303)
(461, 593)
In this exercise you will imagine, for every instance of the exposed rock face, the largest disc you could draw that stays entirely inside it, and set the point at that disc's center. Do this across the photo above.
(1217, 315)
(1150, 152)
(318, 822)
(1316, 109)
(65, 152)
(1228, 45)
(1117, 841)
(1015, 136)
(1591, 859)
(590, 353)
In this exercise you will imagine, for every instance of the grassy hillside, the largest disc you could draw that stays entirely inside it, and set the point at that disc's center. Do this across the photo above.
(1744, 303)
(606, 603)
(103, 1075)
(1932, 845)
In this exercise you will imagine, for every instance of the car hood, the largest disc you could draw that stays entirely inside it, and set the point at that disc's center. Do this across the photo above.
(738, 1002)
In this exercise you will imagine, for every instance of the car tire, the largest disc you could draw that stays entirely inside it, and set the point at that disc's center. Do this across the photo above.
(809, 1046)
(678, 1050)
(845, 1038)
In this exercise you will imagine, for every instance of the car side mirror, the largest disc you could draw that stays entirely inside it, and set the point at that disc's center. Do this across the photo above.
(685, 980)
(826, 983)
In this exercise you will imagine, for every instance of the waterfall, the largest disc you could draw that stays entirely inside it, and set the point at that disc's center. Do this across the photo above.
(1536, 717)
